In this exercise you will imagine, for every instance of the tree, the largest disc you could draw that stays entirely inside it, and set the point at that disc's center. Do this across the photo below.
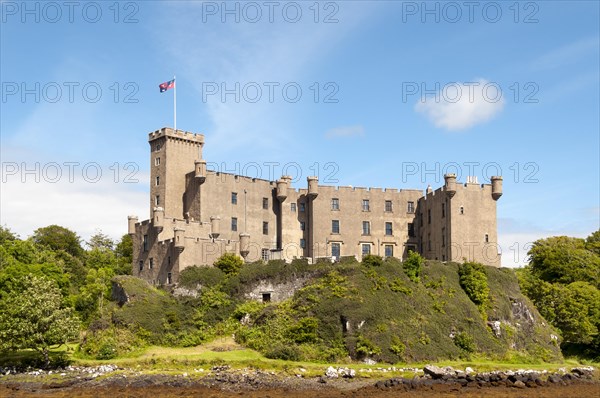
(33, 318)
(101, 241)
(124, 253)
(6, 235)
(562, 259)
(412, 265)
(58, 238)
(229, 263)
(473, 280)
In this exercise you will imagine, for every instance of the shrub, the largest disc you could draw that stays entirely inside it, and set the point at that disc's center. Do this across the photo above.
(305, 331)
(473, 281)
(371, 260)
(203, 276)
(412, 266)
(397, 346)
(283, 351)
(464, 342)
(229, 263)
(365, 347)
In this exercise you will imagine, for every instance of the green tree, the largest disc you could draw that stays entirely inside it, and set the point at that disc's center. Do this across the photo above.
(56, 237)
(33, 318)
(473, 280)
(413, 265)
(92, 295)
(229, 263)
(101, 241)
(561, 259)
(124, 253)
(6, 235)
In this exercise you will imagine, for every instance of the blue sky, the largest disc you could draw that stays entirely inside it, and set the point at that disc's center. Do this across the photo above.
(379, 103)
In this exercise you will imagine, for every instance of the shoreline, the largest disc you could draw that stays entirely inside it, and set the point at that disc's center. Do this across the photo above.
(221, 381)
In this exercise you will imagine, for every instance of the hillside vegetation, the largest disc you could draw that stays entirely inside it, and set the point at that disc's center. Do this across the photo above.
(380, 310)
(346, 310)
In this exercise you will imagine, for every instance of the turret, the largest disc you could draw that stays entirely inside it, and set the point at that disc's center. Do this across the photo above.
(450, 180)
(200, 170)
(313, 185)
(215, 227)
(179, 239)
(282, 186)
(429, 189)
(131, 221)
(158, 218)
(496, 187)
(244, 244)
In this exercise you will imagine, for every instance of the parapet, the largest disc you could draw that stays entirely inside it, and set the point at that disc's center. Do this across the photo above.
(179, 134)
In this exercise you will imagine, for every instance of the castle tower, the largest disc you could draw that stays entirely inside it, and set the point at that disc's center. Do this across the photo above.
(173, 154)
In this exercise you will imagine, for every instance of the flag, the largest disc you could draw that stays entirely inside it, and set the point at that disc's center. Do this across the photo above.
(166, 85)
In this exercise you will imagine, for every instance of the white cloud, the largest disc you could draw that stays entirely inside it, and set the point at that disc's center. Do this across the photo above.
(345, 131)
(460, 106)
(81, 206)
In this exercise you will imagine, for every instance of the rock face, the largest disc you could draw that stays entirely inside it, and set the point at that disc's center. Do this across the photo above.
(118, 294)
(266, 290)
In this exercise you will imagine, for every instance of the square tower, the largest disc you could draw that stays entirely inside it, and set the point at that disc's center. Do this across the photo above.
(173, 154)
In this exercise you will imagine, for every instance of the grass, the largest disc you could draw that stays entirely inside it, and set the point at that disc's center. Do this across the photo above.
(224, 351)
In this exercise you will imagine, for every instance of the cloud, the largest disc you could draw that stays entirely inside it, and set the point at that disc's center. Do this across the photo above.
(568, 54)
(345, 131)
(77, 204)
(460, 106)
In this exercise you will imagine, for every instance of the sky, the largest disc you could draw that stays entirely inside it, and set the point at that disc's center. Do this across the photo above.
(365, 93)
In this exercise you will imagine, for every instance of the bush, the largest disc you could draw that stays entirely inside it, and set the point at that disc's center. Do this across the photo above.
(412, 266)
(371, 260)
(283, 351)
(229, 263)
(473, 281)
(464, 342)
(203, 276)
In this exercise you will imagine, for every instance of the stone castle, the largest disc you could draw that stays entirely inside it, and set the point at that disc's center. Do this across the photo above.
(199, 214)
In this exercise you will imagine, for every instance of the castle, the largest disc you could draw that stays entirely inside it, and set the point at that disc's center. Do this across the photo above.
(198, 214)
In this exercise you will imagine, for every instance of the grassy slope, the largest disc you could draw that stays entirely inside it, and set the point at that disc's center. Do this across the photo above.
(381, 306)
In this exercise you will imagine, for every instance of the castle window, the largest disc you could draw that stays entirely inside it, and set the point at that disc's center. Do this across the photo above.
(141, 265)
(443, 210)
(234, 223)
(145, 243)
(264, 254)
(266, 203)
(302, 225)
(157, 200)
(293, 207)
(443, 237)
(151, 263)
(411, 207)
(302, 207)
(411, 248)
(303, 243)
(266, 297)
(365, 204)
(335, 250)
(157, 161)
(388, 206)
(421, 219)
(366, 249)
(234, 198)
(157, 180)
(169, 278)
(428, 216)
(265, 228)
(389, 250)
(411, 230)
(366, 228)
(335, 226)
(335, 204)
(462, 210)
(487, 238)
(388, 229)
(157, 147)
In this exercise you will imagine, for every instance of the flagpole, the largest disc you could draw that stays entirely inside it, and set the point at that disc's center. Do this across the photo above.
(174, 104)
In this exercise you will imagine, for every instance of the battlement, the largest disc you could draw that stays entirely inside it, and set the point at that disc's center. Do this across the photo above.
(178, 134)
